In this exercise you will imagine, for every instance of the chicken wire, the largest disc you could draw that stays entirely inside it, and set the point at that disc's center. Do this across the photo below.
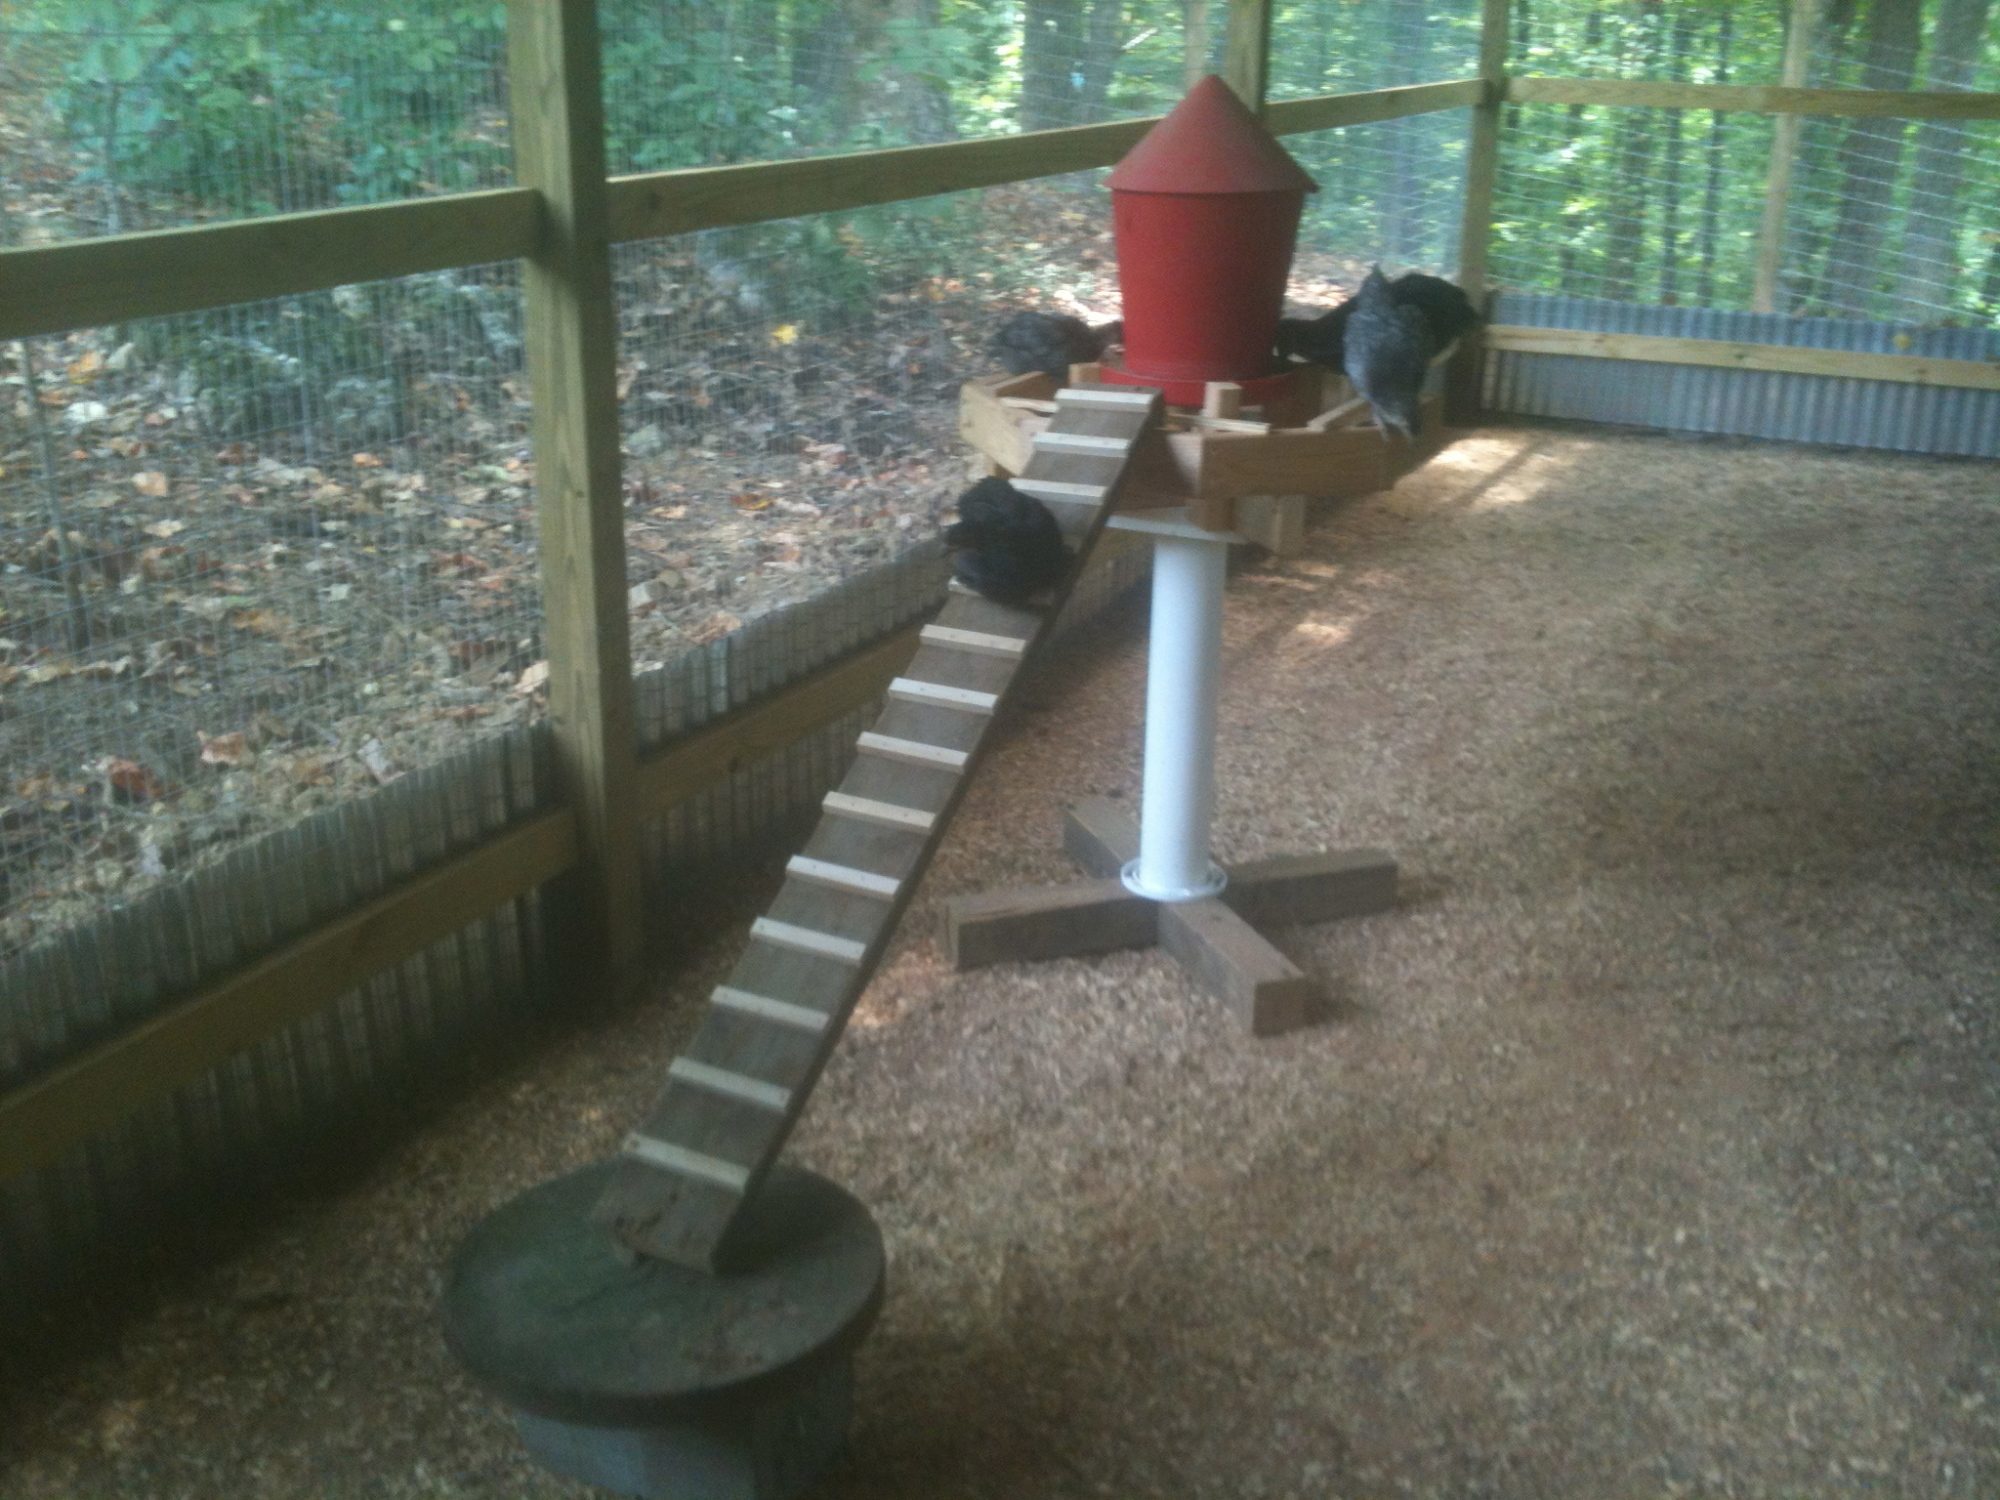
(747, 80)
(252, 561)
(1392, 192)
(1345, 46)
(1886, 219)
(129, 126)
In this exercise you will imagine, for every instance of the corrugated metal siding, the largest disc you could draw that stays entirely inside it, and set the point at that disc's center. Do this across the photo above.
(1747, 403)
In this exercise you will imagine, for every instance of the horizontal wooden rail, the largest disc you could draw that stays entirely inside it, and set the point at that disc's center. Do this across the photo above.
(95, 1090)
(1752, 98)
(1912, 369)
(51, 288)
(1331, 111)
(651, 204)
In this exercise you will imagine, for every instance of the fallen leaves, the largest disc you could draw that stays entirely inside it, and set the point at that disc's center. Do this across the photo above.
(129, 781)
(151, 482)
(224, 749)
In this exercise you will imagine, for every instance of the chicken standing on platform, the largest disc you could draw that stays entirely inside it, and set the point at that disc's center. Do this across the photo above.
(1448, 315)
(1009, 546)
(1387, 353)
(1051, 343)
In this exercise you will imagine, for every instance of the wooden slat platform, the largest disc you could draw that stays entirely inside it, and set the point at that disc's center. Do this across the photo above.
(732, 1097)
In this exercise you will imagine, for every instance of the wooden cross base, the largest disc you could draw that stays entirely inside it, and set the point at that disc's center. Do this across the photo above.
(1213, 938)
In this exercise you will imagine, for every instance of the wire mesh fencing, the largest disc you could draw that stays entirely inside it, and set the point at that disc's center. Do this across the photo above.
(1346, 46)
(1885, 218)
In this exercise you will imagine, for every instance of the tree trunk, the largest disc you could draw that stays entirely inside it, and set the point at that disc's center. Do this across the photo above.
(1195, 42)
(923, 98)
(1410, 30)
(1670, 188)
(1625, 202)
(1520, 40)
(823, 76)
(1929, 272)
(1049, 54)
(1711, 193)
(1870, 156)
(1572, 182)
(1098, 62)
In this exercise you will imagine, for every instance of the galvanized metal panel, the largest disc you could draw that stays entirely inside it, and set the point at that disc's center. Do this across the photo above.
(1896, 415)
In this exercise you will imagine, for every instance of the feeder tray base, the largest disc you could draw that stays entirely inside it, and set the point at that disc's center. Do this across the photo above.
(1211, 937)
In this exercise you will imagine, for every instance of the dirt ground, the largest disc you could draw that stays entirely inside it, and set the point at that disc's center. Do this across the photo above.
(1652, 1152)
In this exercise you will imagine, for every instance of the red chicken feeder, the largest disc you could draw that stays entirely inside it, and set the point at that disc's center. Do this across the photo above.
(1205, 210)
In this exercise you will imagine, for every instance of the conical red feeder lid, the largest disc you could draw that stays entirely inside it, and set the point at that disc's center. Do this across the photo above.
(1210, 143)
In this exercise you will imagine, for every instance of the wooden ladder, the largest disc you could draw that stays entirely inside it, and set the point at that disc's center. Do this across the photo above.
(733, 1096)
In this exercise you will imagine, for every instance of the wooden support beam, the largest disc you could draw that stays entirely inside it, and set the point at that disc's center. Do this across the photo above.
(1758, 99)
(572, 341)
(96, 1089)
(1246, 51)
(1475, 226)
(1331, 111)
(1912, 369)
(1784, 148)
(88, 283)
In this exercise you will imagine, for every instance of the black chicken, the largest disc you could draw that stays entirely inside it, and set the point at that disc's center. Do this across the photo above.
(1446, 309)
(1387, 352)
(1009, 546)
(1448, 314)
(1051, 342)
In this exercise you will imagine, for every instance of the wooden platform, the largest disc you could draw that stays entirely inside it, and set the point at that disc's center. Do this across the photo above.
(1235, 469)
(1214, 939)
(731, 1099)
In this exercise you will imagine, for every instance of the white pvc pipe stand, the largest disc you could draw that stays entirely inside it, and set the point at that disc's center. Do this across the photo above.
(1184, 662)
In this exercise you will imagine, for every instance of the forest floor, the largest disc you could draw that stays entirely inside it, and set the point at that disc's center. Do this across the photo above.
(1651, 1151)
(216, 617)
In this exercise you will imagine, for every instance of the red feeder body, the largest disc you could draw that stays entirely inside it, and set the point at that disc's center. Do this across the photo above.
(1205, 211)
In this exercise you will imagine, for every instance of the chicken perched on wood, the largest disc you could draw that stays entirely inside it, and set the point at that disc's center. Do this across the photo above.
(1009, 546)
(1051, 342)
(1386, 352)
(1448, 314)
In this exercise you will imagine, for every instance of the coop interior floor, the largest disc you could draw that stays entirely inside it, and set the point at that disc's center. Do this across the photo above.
(1653, 1149)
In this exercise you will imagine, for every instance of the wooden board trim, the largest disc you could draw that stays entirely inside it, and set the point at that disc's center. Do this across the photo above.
(1756, 98)
(679, 1159)
(156, 273)
(1910, 369)
(739, 1086)
(100, 1087)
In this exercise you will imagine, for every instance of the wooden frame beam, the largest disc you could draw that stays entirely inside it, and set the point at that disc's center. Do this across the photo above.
(87, 283)
(571, 336)
(1912, 369)
(1784, 148)
(1246, 51)
(1759, 99)
(1475, 227)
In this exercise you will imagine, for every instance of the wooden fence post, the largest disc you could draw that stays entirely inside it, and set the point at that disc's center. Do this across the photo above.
(1246, 51)
(571, 336)
(1784, 147)
(1475, 233)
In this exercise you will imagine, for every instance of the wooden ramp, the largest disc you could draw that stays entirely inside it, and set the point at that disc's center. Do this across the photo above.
(732, 1097)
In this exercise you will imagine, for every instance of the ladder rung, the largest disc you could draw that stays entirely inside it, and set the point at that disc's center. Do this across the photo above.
(954, 586)
(1084, 395)
(672, 1158)
(843, 877)
(984, 642)
(764, 1008)
(730, 1085)
(808, 940)
(944, 695)
(888, 814)
(915, 752)
(1061, 490)
(1082, 442)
